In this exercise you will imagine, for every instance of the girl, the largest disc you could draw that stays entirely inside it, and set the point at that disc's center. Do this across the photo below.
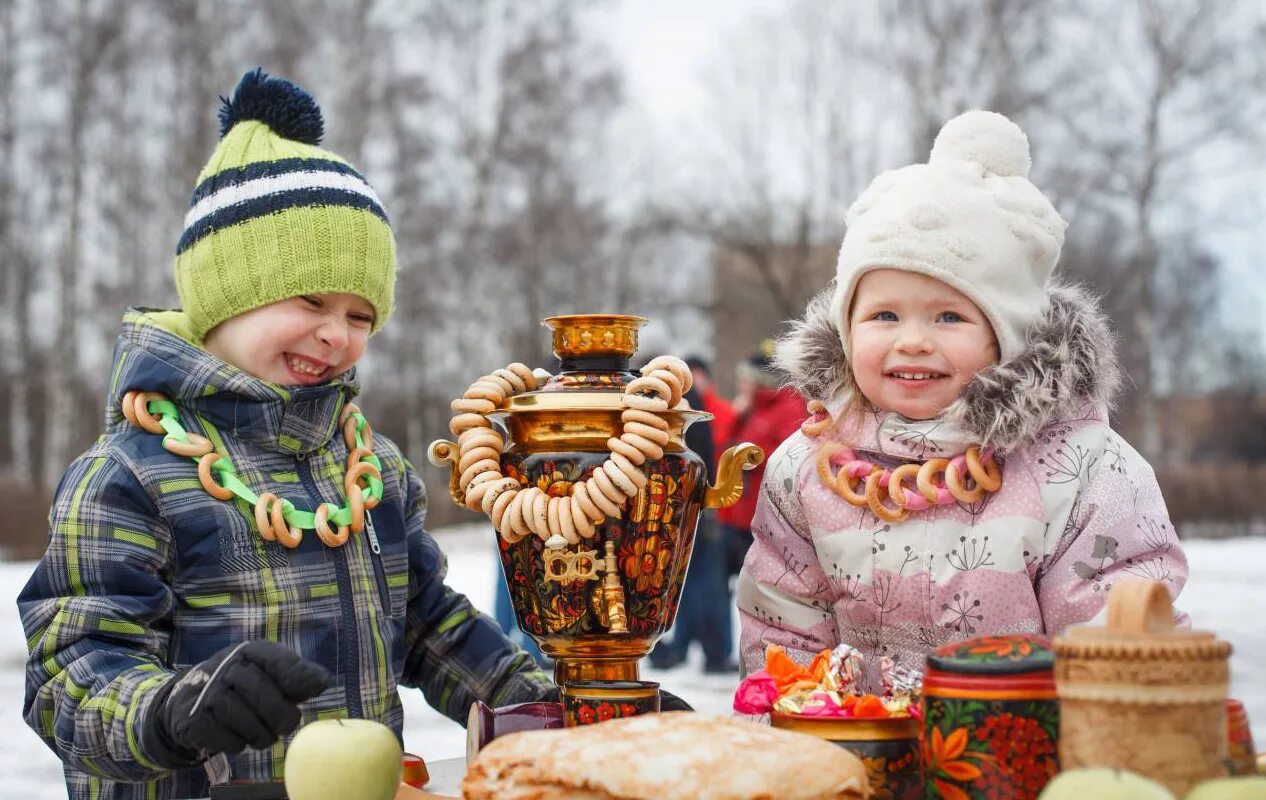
(959, 476)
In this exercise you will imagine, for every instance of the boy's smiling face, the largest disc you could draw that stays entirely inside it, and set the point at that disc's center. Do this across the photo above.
(300, 341)
(915, 342)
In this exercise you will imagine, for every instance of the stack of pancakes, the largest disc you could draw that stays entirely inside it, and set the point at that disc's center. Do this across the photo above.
(672, 756)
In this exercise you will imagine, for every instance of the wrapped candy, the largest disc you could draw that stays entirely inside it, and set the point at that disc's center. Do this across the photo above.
(899, 681)
(830, 687)
(844, 673)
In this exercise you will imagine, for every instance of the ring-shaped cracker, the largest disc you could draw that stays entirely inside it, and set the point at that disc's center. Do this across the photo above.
(464, 422)
(896, 481)
(288, 535)
(630, 470)
(513, 528)
(358, 471)
(321, 523)
(581, 522)
(540, 515)
(954, 482)
(643, 403)
(194, 446)
(673, 382)
(483, 465)
(502, 502)
(524, 372)
(674, 365)
(356, 504)
(627, 450)
(608, 507)
(644, 417)
(495, 489)
(986, 474)
(262, 521)
(129, 407)
(845, 488)
(349, 433)
(552, 515)
(140, 407)
(517, 384)
(822, 462)
(480, 437)
(357, 455)
(649, 450)
(580, 491)
(926, 482)
(470, 456)
(654, 434)
(876, 503)
(607, 487)
(204, 475)
(472, 405)
(348, 410)
(486, 392)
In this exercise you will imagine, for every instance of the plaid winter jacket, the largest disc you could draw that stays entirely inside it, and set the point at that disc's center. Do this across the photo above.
(147, 574)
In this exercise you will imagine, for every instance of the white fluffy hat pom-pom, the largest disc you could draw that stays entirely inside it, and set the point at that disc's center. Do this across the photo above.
(986, 138)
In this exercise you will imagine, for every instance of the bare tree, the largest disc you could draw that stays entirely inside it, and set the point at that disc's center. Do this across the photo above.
(1146, 129)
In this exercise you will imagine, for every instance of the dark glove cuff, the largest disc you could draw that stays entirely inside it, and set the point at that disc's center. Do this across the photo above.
(155, 739)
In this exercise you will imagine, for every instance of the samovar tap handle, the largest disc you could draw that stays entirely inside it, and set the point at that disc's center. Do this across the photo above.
(729, 486)
(443, 452)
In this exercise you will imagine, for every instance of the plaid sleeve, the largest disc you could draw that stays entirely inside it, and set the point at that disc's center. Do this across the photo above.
(454, 653)
(97, 618)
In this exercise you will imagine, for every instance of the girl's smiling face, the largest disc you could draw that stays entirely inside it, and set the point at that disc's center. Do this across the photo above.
(915, 342)
(300, 341)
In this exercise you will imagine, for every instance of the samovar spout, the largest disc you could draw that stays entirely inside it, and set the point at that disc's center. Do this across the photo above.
(729, 486)
(443, 452)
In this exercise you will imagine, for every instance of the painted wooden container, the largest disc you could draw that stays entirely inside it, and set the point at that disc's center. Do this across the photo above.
(991, 719)
(1139, 694)
(888, 747)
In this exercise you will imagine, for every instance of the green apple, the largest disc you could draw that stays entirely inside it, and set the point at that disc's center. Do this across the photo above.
(349, 759)
(1102, 783)
(1242, 788)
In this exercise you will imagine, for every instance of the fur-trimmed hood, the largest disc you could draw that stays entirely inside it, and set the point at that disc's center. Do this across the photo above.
(1069, 360)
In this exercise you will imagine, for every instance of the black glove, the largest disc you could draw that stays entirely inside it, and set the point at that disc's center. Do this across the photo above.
(671, 702)
(246, 695)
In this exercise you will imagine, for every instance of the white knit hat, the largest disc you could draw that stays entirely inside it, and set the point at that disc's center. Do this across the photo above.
(969, 217)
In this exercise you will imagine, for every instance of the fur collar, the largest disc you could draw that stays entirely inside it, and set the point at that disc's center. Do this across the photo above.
(1069, 360)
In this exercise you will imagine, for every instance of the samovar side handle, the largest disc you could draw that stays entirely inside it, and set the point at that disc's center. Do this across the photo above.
(729, 486)
(443, 452)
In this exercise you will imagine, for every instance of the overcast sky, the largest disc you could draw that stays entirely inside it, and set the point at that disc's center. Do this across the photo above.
(666, 44)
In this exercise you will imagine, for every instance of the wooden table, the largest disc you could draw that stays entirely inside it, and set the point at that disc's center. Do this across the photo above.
(446, 781)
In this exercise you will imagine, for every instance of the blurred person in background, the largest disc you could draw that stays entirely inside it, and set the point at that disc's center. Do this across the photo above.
(704, 613)
(722, 411)
(767, 413)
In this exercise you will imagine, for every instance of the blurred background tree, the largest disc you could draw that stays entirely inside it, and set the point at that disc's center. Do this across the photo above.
(497, 133)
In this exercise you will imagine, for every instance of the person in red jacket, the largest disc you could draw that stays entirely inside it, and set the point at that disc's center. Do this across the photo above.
(767, 413)
(723, 413)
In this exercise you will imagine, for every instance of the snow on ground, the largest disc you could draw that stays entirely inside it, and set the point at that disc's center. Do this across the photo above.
(1226, 594)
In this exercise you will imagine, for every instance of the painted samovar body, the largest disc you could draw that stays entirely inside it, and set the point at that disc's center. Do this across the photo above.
(599, 605)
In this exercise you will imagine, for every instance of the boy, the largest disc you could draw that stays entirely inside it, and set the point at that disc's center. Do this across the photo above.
(169, 630)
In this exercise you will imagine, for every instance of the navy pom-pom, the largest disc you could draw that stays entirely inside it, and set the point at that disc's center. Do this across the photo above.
(288, 110)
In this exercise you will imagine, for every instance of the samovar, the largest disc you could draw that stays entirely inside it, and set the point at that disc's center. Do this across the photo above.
(597, 605)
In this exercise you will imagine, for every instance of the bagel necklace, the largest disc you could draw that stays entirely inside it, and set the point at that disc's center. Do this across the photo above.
(518, 511)
(965, 478)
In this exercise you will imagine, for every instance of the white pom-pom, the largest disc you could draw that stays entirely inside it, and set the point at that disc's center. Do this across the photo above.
(986, 138)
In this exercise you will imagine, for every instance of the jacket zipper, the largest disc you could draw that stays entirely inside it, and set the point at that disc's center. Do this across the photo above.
(347, 611)
(380, 574)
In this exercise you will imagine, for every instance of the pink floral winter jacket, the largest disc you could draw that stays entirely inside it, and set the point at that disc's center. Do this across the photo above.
(1078, 508)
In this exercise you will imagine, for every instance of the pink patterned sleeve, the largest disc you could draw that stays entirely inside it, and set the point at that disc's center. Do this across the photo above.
(784, 596)
(1118, 528)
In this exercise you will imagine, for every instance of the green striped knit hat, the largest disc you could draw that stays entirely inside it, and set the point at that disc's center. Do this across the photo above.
(274, 216)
